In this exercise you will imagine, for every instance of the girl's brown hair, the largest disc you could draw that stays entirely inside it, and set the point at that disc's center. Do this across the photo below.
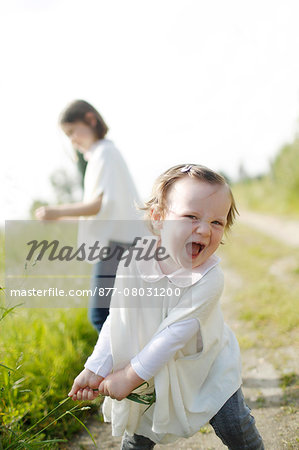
(76, 112)
(161, 187)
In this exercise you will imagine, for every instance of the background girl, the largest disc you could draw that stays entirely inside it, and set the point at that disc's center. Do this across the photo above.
(109, 197)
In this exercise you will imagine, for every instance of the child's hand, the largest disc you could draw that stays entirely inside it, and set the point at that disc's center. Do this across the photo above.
(84, 384)
(47, 213)
(120, 384)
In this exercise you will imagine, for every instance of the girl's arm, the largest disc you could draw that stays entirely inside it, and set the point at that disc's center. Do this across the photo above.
(142, 367)
(69, 210)
(97, 366)
(150, 360)
(164, 345)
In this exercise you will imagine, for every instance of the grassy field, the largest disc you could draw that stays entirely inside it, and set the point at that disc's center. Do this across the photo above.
(41, 351)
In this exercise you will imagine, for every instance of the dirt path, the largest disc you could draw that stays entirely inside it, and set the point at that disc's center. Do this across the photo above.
(261, 381)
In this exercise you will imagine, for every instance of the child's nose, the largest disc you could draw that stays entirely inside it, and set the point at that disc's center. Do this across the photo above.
(203, 228)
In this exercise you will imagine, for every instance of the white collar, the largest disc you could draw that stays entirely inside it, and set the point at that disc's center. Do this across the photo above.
(149, 270)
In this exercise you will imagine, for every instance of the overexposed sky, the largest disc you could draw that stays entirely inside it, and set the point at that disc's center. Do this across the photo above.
(216, 83)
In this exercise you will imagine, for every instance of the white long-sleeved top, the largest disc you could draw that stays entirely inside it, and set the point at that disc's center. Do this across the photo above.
(152, 357)
(118, 219)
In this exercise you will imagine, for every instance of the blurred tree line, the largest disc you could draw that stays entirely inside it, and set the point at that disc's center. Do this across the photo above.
(278, 190)
(285, 171)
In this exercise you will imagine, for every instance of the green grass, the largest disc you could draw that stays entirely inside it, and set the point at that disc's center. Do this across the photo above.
(289, 382)
(44, 350)
(264, 196)
(1, 257)
(267, 303)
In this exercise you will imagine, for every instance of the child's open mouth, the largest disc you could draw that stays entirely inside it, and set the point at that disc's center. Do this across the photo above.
(194, 248)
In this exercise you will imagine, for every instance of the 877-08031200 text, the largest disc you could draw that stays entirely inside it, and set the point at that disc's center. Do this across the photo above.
(141, 292)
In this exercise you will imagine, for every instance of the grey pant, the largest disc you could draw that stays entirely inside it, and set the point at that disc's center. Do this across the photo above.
(233, 424)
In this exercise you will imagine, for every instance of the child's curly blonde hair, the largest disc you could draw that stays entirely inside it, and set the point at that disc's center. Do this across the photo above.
(157, 201)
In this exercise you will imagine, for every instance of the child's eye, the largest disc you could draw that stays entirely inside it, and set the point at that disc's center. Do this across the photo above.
(216, 222)
(191, 217)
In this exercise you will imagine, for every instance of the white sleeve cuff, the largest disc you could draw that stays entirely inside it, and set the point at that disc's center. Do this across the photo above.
(101, 361)
(102, 368)
(140, 370)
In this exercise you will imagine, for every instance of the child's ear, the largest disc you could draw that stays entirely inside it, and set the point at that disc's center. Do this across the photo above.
(156, 218)
(91, 119)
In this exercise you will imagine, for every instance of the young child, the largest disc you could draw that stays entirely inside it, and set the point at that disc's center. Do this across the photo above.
(166, 327)
(109, 197)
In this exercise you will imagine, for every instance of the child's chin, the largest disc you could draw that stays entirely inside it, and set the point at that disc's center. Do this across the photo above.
(198, 262)
(187, 264)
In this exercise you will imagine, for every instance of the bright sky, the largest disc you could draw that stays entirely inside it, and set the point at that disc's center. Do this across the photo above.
(216, 83)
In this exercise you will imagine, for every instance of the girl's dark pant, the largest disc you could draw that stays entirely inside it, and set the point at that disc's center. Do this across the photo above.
(233, 424)
(103, 277)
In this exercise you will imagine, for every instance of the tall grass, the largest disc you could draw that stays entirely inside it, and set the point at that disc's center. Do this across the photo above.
(41, 351)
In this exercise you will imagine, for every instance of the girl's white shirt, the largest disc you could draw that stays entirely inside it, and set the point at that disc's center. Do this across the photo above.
(193, 384)
(164, 344)
(118, 219)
